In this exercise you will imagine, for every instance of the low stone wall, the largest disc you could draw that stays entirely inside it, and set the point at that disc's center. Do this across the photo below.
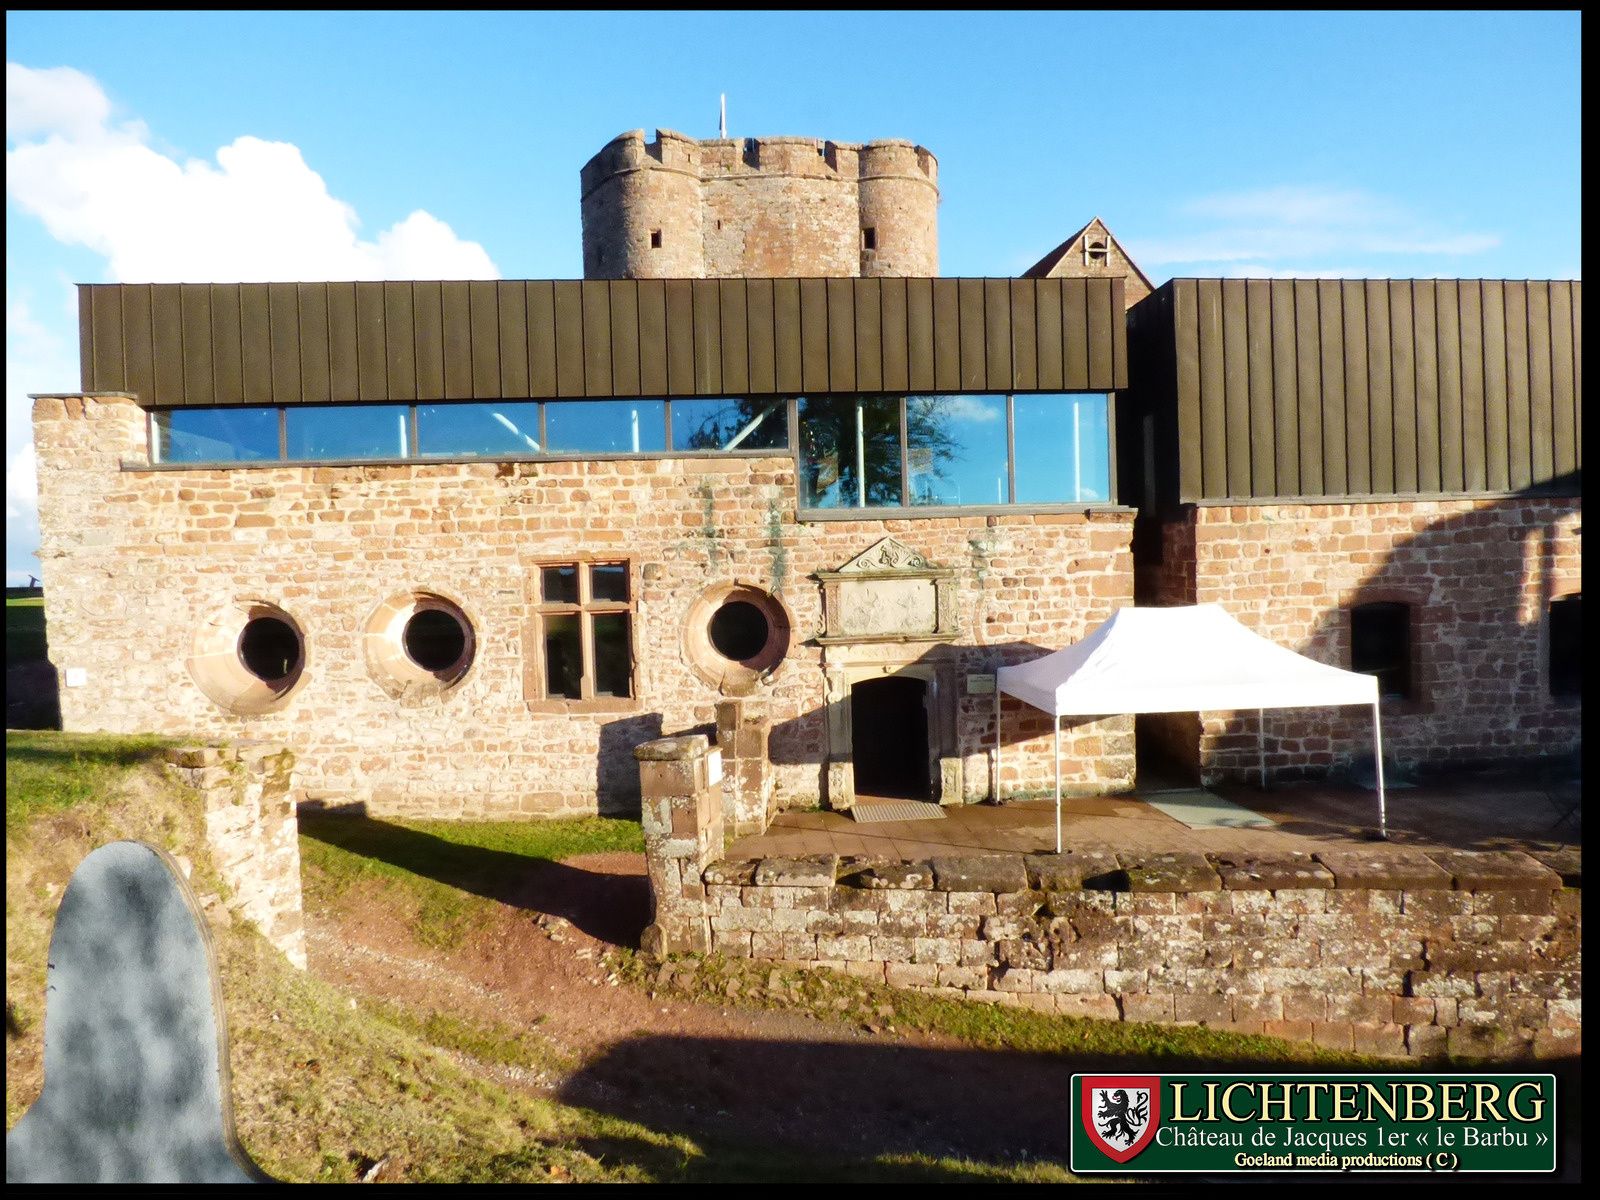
(248, 792)
(1382, 952)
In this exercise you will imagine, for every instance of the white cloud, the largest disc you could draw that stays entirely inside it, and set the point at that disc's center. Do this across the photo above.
(969, 408)
(54, 100)
(256, 212)
(259, 212)
(1267, 227)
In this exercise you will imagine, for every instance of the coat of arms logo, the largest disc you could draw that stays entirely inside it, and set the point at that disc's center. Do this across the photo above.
(1121, 1113)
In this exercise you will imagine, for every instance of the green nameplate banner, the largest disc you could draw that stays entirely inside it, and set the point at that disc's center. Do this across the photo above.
(1151, 1124)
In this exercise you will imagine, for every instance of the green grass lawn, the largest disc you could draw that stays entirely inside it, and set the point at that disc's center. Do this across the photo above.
(451, 870)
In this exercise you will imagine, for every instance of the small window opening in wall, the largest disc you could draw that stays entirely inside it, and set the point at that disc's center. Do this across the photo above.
(434, 640)
(269, 648)
(655, 239)
(1095, 253)
(739, 630)
(869, 238)
(1565, 634)
(1380, 644)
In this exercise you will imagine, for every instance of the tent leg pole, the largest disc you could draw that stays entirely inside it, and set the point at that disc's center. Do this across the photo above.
(1377, 759)
(1261, 744)
(1058, 782)
(994, 783)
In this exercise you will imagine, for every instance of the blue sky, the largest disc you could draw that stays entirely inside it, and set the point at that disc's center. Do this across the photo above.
(205, 146)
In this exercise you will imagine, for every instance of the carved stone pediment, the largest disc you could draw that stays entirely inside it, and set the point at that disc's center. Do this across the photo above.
(886, 554)
(888, 592)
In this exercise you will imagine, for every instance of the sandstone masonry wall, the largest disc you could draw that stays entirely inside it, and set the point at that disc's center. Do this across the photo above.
(676, 207)
(136, 561)
(1395, 952)
(248, 792)
(1480, 575)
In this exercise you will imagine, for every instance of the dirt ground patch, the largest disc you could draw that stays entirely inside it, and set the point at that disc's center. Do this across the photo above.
(721, 1073)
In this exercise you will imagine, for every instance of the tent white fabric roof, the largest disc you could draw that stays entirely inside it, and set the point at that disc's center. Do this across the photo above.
(1190, 659)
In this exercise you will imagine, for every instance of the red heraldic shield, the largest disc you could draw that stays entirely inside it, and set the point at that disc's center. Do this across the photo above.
(1120, 1113)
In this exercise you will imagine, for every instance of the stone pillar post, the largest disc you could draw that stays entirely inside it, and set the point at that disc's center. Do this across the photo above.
(743, 727)
(247, 790)
(680, 784)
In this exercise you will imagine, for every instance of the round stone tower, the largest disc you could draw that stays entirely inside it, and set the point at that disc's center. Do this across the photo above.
(899, 190)
(642, 209)
(676, 207)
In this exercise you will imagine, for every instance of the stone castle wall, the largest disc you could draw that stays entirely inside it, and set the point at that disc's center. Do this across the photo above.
(1392, 952)
(676, 207)
(1480, 575)
(138, 561)
(247, 790)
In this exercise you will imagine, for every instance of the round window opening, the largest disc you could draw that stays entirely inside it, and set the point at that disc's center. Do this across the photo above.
(739, 630)
(249, 657)
(434, 639)
(735, 636)
(269, 648)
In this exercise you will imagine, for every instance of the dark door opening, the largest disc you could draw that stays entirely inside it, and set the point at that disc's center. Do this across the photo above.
(889, 733)
(1166, 750)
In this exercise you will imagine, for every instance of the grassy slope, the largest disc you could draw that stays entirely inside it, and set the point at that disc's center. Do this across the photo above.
(323, 1088)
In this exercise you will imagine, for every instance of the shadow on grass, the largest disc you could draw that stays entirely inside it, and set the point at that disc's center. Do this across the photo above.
(612, 908)
(838, 1110)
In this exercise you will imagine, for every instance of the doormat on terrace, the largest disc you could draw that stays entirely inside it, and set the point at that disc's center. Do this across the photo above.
(1200, 809)
(896, 810)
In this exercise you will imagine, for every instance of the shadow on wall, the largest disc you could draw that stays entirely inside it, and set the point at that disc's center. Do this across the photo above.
(611, 907)
(855, 1100)
(1482, 696)
(804, 740)
(616, 770)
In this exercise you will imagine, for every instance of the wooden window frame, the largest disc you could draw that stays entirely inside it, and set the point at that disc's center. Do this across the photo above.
(585, 609)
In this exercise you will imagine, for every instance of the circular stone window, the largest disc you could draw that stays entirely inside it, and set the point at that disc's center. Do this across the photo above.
(249, 658)
(418, 646)
(736, 636)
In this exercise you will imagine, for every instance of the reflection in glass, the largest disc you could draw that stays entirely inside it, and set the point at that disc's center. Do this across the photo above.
(338, 431)
(956, 449)
(729, 425)
(559, 585)
(1063, 449)
(563, 657)
(478, 429)
(849, 451)
(198, 435)
(609, 581)
(611, 655)
(605, 426)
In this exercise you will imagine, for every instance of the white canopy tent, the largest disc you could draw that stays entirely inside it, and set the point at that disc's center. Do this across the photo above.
(1190, 659)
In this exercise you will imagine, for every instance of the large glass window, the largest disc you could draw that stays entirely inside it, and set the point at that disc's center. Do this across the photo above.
(956, 449)
(1063, 449)
(585, 632)
(605, 426)
(338, 431)
(959, 450)
(850, 452)
(483, 430)
(728, 424)
(204, 435)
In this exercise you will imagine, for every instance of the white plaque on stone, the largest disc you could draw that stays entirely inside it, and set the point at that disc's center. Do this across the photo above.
(980, 685)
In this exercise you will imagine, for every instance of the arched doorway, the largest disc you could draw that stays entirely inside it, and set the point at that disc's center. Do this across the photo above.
(889, 738)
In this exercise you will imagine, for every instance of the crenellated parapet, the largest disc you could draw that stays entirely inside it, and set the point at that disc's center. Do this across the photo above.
(674, 206)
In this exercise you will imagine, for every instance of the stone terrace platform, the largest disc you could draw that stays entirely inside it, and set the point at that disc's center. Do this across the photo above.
(1459, 815)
